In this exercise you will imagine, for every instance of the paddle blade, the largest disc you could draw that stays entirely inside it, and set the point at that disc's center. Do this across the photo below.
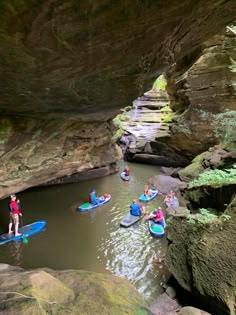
(25, 240)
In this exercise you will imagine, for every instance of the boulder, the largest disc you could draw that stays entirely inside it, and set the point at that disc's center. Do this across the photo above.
(165, 305)
(45, 291)
(189, 310)
(166, 183)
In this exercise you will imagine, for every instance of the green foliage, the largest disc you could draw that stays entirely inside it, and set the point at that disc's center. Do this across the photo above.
(166, 109)
(117, 122)
(203, 217)
(215, 178)
(206, 217)
(168, 114)
(168, 118)
(119, 129)
(118, 134)
(123, 117)
(160, 83)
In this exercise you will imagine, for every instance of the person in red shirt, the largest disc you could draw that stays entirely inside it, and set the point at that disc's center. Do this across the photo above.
(14, 207)
(126, 171)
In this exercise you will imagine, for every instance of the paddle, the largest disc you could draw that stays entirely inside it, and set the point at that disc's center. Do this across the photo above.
(24, 238)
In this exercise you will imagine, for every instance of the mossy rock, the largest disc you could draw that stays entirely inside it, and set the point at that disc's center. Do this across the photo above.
(45, 291)
(192, 171)
(202, 257)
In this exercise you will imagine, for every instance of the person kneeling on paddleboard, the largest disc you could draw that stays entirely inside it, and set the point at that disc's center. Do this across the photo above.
(157, 215)
(126, 171)
(14, 207)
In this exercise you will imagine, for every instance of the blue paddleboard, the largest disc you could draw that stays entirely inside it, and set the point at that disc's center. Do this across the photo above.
(157, 229)
(88, 206)
(148, 198)
(26, 231)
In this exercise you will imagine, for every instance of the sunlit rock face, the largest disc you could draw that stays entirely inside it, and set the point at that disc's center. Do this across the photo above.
(63, 62)
(203, 93)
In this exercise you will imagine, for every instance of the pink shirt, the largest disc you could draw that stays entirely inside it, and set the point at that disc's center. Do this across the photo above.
(159, 216)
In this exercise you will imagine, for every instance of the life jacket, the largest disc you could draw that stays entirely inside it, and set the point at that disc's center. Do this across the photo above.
(11, 209)
(90, 198)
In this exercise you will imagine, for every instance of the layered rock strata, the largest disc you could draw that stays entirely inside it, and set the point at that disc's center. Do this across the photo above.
(67, 61)
(88, 59)
(146, 122)
(201, 91)
(203, 94)
(34, 152)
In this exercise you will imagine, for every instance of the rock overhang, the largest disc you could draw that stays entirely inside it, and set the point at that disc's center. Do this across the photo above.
(85, 61)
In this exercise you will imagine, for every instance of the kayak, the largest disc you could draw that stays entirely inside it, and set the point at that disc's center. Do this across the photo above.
(148, 198)
(124, 177)
(89, 206)
(173, 203)
(129, 220)
(157, 229)
(26, 231)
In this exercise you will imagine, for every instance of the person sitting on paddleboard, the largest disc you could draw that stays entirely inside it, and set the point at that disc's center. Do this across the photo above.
(157, 216)
(147, 191)
(93, 199)
(136, 209)
(14, 207)
(126, 171)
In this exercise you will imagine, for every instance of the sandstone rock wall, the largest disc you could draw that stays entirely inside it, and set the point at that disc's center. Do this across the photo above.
(202, 92)
(32, 152)
(69, 58)
(62, 61)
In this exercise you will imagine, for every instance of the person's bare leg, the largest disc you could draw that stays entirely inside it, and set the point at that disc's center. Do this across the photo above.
(10, 228)
(16, 229)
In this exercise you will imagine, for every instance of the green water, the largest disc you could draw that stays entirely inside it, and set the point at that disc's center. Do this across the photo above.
(90, 240)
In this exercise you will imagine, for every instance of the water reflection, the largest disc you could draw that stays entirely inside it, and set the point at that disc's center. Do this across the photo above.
(16, 252)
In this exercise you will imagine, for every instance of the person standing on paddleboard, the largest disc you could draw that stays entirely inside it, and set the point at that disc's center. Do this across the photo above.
(14, 207)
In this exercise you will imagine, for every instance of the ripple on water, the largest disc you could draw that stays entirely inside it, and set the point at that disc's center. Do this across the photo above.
(129, 253)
